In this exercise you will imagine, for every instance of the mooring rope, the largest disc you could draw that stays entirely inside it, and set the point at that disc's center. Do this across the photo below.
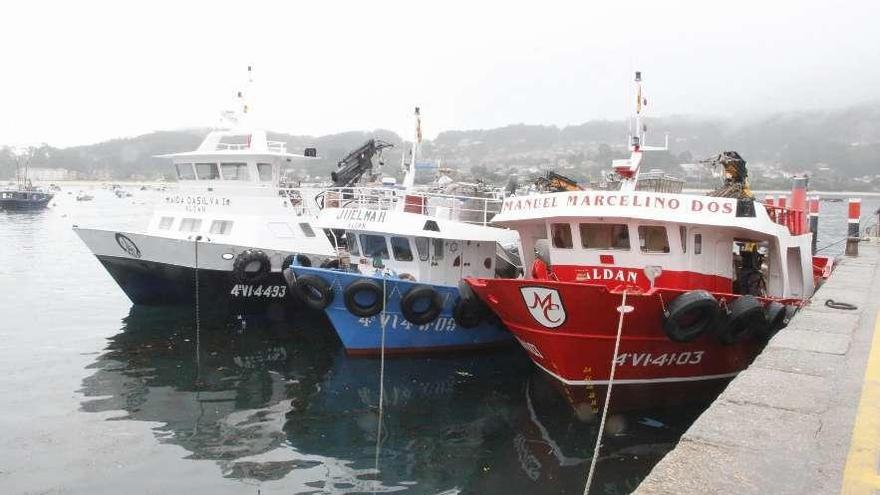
(198, 316)
(623, 310)
(382, 320)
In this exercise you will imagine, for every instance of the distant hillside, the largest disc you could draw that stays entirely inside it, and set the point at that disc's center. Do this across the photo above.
(838, 148)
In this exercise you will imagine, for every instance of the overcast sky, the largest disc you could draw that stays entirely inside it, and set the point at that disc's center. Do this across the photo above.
(82, 72)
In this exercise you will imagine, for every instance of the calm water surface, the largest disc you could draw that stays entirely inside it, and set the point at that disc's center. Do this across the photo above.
(99, 396)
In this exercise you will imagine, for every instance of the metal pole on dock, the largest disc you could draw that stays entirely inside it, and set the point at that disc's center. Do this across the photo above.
(814, 219)
(852, 234)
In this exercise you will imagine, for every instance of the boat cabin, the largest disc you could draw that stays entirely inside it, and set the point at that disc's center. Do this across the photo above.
(683, 242)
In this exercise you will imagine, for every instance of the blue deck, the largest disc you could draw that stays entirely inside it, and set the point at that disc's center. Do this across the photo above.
(364, 335)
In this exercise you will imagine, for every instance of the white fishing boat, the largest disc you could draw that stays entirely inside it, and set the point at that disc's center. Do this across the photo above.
(229, 219)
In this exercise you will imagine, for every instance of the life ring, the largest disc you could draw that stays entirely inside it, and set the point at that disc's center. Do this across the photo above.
(469, 310)
(746, 317)
(690, 315)
(245, 271)
(409, 305)
(314, 291)
(360, 290)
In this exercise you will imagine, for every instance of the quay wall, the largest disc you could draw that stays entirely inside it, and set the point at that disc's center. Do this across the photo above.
(784, 425)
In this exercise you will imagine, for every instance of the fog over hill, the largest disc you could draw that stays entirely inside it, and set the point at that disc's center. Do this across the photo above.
(839, 149)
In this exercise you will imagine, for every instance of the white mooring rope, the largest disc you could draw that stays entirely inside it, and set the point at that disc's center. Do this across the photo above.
(198, 317)
(382, 320)
(622, 309)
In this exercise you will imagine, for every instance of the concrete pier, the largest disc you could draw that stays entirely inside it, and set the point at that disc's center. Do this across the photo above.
(804, 417)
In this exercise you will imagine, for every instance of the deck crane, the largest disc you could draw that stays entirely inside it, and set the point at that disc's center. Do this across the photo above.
(357, 163)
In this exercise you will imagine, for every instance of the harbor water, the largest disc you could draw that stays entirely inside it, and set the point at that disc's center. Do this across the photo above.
(100, 396)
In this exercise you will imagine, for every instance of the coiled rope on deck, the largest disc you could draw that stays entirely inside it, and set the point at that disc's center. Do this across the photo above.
(622, 309)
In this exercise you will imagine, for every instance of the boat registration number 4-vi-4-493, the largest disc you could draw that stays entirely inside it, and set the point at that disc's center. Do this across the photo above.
(246, 290)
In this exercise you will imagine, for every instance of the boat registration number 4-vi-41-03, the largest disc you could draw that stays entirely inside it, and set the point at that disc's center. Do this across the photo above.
(246, 290)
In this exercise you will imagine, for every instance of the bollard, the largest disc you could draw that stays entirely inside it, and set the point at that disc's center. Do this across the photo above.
(814, 220)
(852, 234)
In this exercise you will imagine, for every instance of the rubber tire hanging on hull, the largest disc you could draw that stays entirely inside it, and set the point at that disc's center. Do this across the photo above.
(301, 260)
(699, 306)
(314, 291)
(245, 258)
(429, 314)
(777, 319)
(469, 310)
(746, 317)
(363, 285)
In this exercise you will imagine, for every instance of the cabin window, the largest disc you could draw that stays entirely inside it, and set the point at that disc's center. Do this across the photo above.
(281, 229)
(561, 234)
(438, 248)
(653, 239)
(604, 236)
(165, 223)
(190, 225)
(683, 235)
(400, 248)
(374, 246)
(352, 244)
(422, 248)
(185, 171)
(265, 171)
(698, 243)
(307, 229)
(221, 227)
(234, 171)
(207, 171)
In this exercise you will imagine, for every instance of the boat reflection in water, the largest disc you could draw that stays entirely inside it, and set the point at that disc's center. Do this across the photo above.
(285, 407)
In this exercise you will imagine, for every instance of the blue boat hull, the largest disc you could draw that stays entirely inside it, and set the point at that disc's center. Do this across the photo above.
(363, 335)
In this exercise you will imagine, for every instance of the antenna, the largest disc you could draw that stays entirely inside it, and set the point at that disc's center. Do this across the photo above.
(409, 177)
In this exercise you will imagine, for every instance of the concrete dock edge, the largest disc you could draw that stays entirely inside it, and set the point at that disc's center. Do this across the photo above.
(784, 425)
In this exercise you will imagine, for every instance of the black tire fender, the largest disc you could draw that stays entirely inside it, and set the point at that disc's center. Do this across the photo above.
(244, 259)
(363, 285)
(777, 318)
(469, 310)
(746, 317)
(315, 292)
(408, 301)
(689, 315)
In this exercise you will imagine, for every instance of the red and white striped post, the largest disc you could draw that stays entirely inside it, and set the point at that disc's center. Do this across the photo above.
(814, 219)
(852, 234)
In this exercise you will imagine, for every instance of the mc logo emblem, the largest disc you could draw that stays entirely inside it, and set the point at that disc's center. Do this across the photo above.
(545, 305)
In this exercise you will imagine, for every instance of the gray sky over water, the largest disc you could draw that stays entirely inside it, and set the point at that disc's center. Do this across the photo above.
(81, 72)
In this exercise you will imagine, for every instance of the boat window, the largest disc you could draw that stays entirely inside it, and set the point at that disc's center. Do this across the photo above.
(561, 235)
(698, 243)
(221, 227)
(438, 248)
(683, 235)
(307, 229)
(281, 229)
(604, 235)
(185, 171)
(207, 171)
(400, 248)
(165, 223)
(351, 242)
(190, 225)
(422, 248)
(234, 171)
(265, 170)
(653, 239)
(374, 246)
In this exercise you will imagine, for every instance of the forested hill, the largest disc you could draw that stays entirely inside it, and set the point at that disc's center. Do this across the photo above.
(838, 148)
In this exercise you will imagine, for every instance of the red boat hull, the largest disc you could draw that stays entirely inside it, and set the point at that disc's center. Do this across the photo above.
(569, 330)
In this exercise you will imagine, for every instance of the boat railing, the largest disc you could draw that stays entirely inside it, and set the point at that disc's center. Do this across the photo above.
(276, 146)
(273, 146)
(301, 204)
(469, 209)
(794, 220)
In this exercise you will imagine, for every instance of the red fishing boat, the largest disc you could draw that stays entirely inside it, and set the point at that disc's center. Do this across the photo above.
(689, 286)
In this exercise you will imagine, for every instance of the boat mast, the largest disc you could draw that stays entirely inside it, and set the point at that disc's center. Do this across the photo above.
(628, 169)
(409, 177)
